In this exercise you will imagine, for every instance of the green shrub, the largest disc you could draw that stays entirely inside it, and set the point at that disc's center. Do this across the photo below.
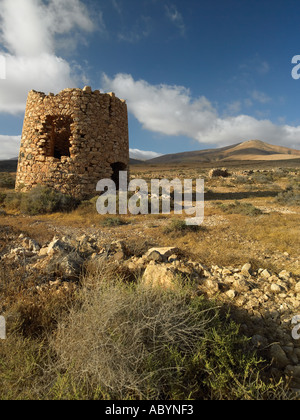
(263, 178)
(43, 200)
(20, 368)
(113, 221)
(290, 197)
(87, 208)
(2, 197)
(237, 207)
(180, 226)
(13, 201)
(242, 179)
(6, 180)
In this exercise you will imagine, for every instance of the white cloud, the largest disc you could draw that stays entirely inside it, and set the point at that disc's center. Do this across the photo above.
(176, 18)
(260, 97)
(141, 29)
(165, 109)
(142, 154)
(29, 27)
(22, 28)
(30, 31)
(10, 146)
(117, 6)
(171, 110)
(263, 68)
(46, 73)
(233, 107)
(255, 64)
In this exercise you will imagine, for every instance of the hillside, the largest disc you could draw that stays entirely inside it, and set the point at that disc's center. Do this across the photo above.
(8, 165)
(250, 150)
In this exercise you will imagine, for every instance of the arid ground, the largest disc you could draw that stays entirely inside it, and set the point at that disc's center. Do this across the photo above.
(244, 259)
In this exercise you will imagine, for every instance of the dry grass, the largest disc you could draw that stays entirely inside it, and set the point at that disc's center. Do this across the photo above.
(112, 338)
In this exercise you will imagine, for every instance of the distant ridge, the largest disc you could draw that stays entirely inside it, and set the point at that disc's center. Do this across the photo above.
(135, 161)
(8, 165)
(252, 150)
(255, 150)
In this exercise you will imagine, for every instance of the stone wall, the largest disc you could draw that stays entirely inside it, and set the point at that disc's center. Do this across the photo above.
(72, 140)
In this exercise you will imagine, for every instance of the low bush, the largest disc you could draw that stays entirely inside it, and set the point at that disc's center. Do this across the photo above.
(263, 178)
(242, 179)
(181, 227)
(7, 180)
(40, 200)
(113, 221)
(2, 197)
(13, 201)
(237, 207)
(290, 197)
(87, 207)
(43, 200)
(21, 361)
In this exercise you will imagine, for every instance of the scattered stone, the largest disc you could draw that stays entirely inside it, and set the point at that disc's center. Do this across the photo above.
(43, 251)
(266, 274)
(164, 252)
(159, 275)
(173, 258)
(57, 246)
(284, 275)
(246, 269)
(279, 356)
(119, 256)
(293, 371)
(231, 294)
(119, 246)
(226, 272)
(155, 256)
(212, 286)
(275, 288)
(64, 265)
(259, 342)
(71, 265)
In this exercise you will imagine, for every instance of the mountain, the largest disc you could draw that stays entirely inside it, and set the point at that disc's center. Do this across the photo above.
(250, 150)
(8, 165)
(135, 161)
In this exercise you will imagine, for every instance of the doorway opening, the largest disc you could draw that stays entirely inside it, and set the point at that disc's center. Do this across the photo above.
(59, 136)
(117, 168)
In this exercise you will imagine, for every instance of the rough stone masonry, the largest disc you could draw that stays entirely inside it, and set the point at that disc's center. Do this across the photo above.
(72, 140)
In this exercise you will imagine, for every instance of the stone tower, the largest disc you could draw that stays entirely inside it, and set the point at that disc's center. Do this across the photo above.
(72, 140)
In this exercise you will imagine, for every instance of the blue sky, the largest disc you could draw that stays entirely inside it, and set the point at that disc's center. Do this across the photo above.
(195, 74)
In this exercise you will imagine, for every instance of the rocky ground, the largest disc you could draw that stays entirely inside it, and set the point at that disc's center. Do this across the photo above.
(265, 303)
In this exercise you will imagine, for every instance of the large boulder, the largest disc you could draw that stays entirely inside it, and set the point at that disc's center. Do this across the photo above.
(159, 275)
